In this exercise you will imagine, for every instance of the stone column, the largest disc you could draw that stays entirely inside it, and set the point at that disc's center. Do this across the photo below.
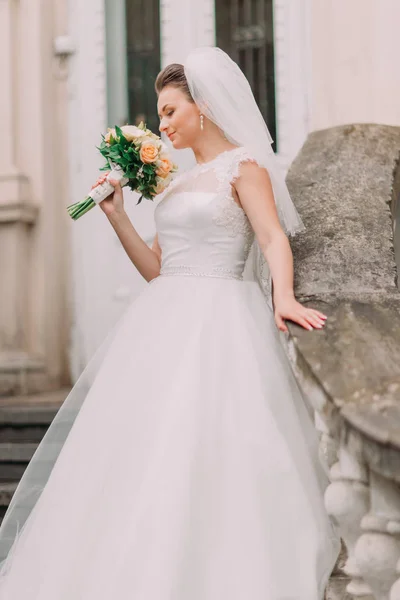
(34, 253)
(17, 216)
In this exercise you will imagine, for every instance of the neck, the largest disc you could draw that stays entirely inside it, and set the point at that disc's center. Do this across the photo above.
(208, 146)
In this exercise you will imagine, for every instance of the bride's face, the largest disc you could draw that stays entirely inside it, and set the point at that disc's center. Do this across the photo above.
(179, 118)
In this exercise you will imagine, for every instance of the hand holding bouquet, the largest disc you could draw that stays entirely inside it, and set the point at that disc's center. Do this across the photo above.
(137, 158)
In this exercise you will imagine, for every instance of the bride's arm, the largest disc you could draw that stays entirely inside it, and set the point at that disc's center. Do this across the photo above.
(146, 260)
(156, 247)
(256, 197)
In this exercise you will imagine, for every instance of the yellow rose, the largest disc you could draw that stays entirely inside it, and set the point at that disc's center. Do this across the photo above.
(164, 166)
(149, 152)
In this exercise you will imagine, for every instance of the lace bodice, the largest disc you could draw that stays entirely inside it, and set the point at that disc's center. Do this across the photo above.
(201, 229)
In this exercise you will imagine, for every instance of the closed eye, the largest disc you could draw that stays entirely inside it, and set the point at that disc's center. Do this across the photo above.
(168, 114)
(171, 112)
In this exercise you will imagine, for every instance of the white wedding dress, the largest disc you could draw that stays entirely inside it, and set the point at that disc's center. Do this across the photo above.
(190, 470)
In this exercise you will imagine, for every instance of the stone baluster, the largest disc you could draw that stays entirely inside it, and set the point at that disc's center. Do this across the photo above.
(347, 500)
(377, 551)
(328, 445)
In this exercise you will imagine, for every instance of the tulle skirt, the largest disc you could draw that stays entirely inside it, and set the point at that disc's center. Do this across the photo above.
(183, 465)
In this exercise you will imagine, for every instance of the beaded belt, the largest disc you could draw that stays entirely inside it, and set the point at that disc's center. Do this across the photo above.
(200, 272)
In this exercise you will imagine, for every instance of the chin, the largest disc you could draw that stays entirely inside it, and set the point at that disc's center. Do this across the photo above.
(178, 144)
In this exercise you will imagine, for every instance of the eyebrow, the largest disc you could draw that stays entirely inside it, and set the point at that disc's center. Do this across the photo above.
(163, 108)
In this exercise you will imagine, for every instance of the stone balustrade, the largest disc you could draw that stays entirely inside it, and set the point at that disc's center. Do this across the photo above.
(346, 184)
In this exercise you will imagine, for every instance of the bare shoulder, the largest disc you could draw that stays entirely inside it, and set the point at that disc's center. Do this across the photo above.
(250, 173)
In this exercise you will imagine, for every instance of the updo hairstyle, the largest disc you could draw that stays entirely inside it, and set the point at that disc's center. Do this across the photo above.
(174, 75)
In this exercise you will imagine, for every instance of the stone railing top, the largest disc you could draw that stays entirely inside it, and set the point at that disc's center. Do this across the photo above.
(343, 185)
(342, 182)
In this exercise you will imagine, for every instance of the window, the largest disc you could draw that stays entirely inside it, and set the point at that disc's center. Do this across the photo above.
(244, 29)
(143, 59)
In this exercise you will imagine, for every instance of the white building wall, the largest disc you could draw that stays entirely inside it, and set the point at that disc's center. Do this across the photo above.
(91, 236)
(185, 25)
(292, 76)
(355, 74)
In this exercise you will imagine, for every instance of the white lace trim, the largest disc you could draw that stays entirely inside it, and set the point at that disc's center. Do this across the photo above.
(229, 214)
(196, 271)
(198, 169)
(238, 160)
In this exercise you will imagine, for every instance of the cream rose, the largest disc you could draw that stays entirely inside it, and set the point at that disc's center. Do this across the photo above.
(152, 135)
(164, 166)
(110, 132)
(149, 152)
(131, 132)
(162, 183)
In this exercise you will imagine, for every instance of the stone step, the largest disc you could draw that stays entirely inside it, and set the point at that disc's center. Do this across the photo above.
(15, 434)
(11, 471)
(7, 489)
(14, 458)
(34, 404)
(17, 453)
(24, 421)
(28, 415)
(23, 424)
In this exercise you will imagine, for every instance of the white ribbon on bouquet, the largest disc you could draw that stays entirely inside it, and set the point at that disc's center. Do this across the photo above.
(103, 190)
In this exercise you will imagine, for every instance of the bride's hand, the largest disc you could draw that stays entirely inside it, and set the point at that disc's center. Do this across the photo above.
(112, 204)
(289, 308)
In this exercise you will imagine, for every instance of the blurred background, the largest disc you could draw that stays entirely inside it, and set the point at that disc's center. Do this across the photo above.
(71, 68)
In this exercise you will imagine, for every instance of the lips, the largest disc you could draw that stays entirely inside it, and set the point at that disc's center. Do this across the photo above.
(170, 135)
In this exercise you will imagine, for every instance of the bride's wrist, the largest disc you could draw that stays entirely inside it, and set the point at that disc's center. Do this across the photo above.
(116, 216)
(283, 295)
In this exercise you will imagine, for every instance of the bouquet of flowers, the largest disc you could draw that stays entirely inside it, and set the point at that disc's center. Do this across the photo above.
(137, 158)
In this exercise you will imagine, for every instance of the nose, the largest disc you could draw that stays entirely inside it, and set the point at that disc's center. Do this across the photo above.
(162, 126)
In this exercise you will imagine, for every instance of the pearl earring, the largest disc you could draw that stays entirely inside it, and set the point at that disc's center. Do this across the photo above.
(201, 122)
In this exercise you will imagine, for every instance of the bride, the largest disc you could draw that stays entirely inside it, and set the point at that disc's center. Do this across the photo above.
(184, 464)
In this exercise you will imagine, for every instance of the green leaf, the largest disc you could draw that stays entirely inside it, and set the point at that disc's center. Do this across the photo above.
(121, 138)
